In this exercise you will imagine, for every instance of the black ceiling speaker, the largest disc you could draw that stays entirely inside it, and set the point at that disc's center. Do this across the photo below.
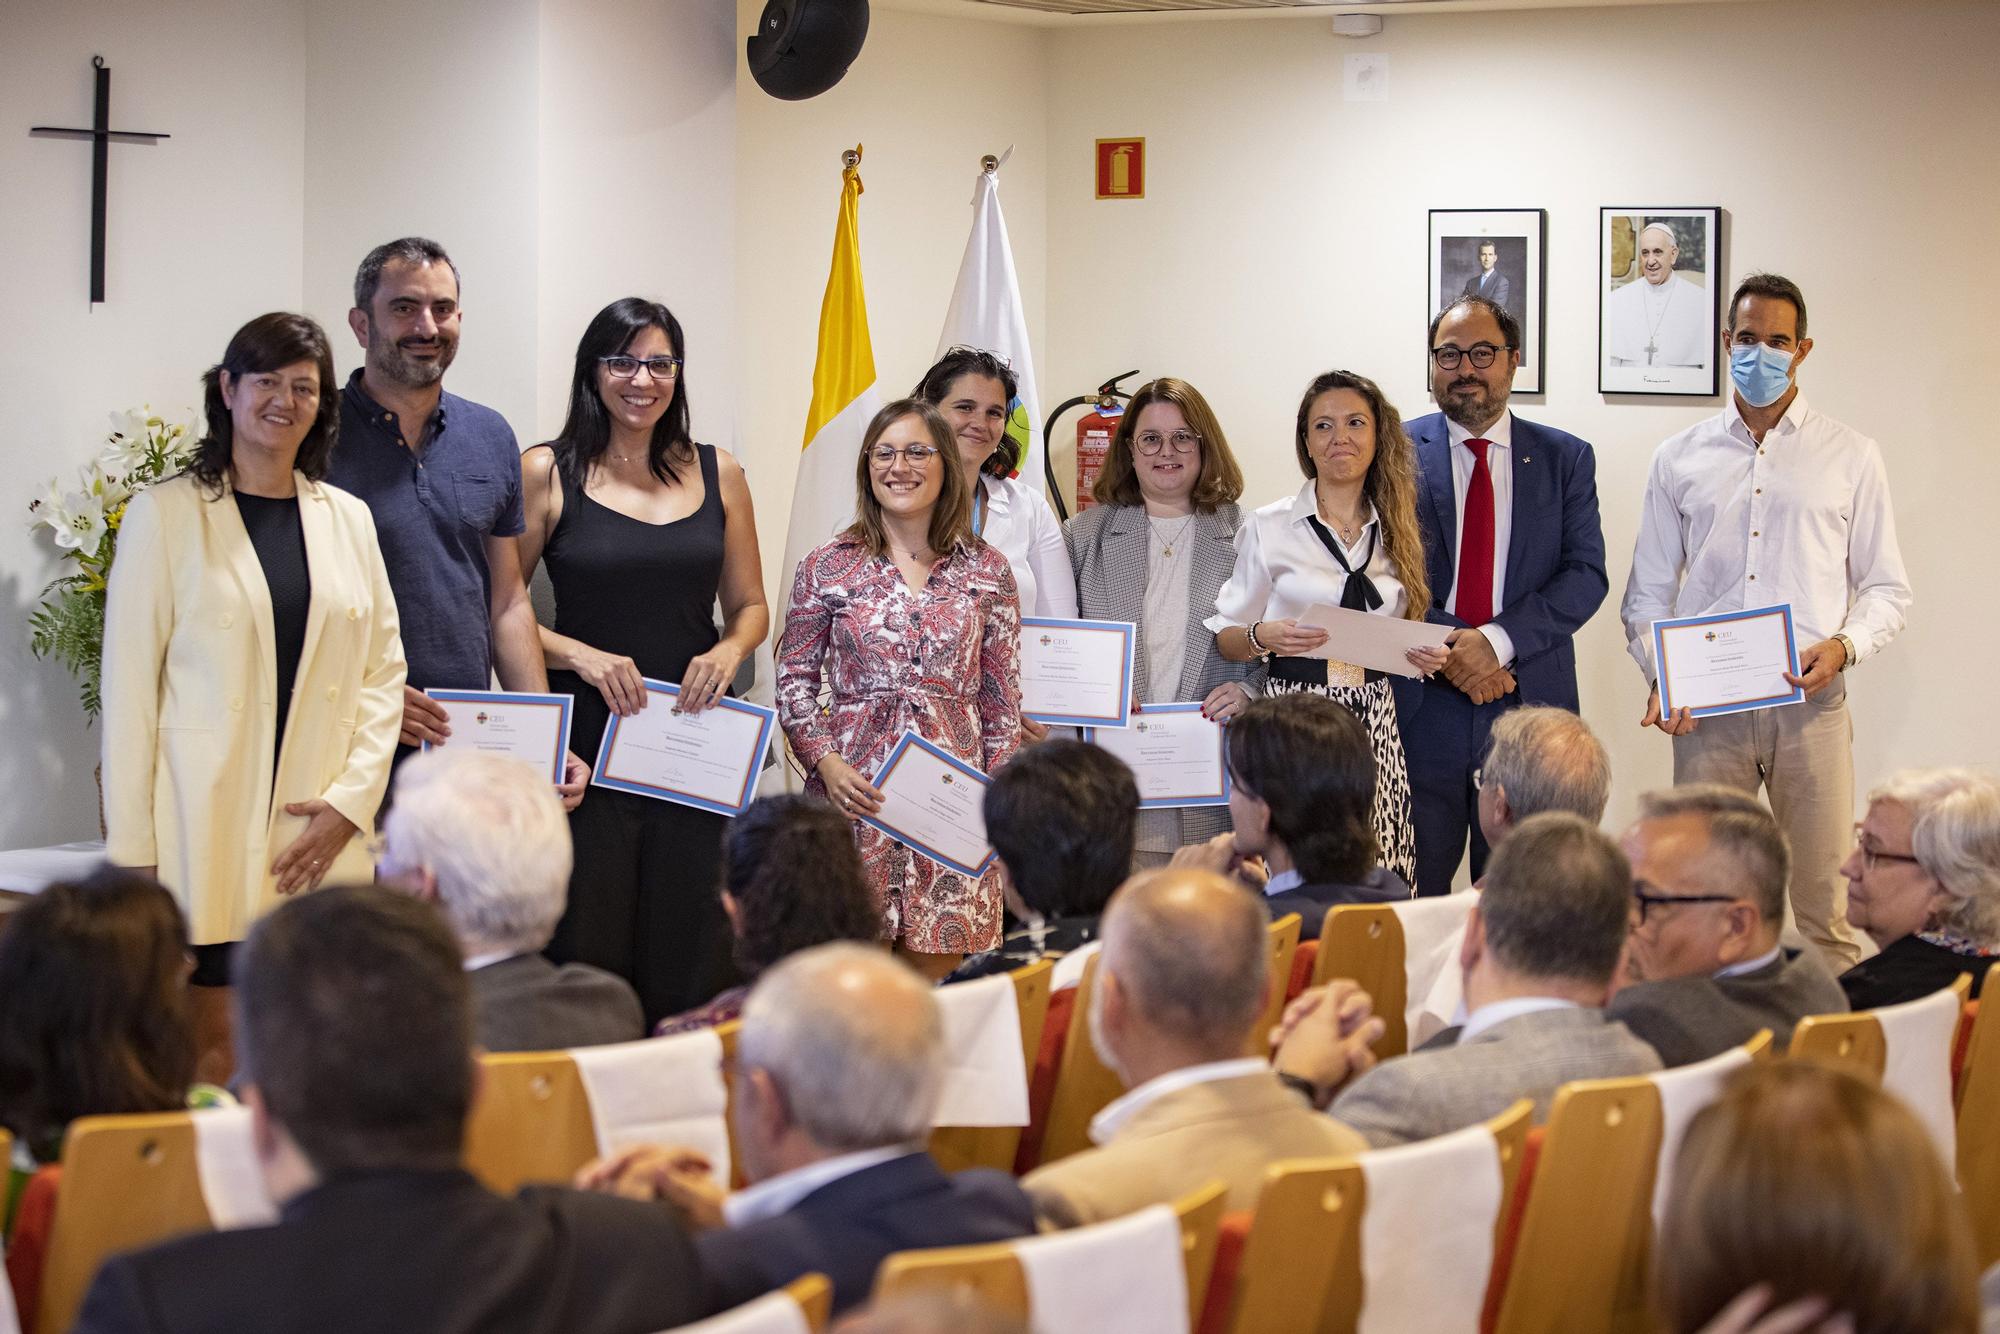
(802, 47)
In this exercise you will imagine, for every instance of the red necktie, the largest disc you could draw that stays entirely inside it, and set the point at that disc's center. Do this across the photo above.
(1475, 542)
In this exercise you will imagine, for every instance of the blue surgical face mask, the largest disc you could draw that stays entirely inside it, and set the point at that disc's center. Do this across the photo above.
(1762, 373)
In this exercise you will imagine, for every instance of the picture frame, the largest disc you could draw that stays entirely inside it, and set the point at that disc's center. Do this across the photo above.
(1516, 278)
(1660, 288)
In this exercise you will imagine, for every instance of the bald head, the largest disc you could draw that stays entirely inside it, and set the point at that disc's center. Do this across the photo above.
(853, 1040)
(1188, 950)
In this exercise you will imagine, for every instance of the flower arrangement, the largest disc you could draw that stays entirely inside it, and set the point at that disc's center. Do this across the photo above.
(69, 625)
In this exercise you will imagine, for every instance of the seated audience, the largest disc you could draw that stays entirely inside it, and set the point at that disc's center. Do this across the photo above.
(486, 837)
(1060, 818)
(1541, 947)
(1180, 987)
(1302, 793)
(791, 879)
(1924, 882)
(1704, 970)
(1805, 1198)
(839, 1066)
(1540, 758)
(354, 1034)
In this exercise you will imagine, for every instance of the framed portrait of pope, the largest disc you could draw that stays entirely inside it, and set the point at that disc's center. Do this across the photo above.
(1659, 327)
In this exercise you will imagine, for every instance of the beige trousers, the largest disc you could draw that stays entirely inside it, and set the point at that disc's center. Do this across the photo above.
(1802, 756)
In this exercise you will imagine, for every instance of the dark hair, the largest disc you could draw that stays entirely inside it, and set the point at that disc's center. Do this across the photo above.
(1221, 479)
(951, 518)
(791, 865)
(1510, 328)
(1771, 285)
(958, 361)
(1061, 816)
(355, 1024)
(413, 250)
(268, 343)
(586, 431)
(1816, 1183)
(1558, 899)
(1391, 483)
(95, 1019)
(1309, 760)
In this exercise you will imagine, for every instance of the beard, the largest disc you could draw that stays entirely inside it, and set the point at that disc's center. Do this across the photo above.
(1471, 403)
(395, 362)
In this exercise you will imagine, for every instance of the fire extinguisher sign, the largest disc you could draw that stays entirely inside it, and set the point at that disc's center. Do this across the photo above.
(1121, 168)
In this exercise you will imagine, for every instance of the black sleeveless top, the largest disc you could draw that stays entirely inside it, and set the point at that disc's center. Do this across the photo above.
(644, 590)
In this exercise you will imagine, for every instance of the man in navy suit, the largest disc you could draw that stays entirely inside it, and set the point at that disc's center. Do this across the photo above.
(839, 1068)
(1489, 282)
(1516, 562)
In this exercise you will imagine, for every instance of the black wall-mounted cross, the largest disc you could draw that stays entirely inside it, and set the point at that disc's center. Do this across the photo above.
(100, 134)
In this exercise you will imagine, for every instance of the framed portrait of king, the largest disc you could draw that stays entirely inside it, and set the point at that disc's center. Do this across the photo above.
(1660, 281)
(1496, 253)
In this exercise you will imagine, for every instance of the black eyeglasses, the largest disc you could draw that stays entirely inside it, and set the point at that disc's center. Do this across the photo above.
(1647, 901)
(1479, 354)
(1872, 857)
(625, 368)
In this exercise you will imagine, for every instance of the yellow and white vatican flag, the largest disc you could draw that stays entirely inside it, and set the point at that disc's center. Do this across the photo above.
(844, 394)
(986, 312)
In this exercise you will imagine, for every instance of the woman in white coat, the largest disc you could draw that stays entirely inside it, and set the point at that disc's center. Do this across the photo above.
(253, 673)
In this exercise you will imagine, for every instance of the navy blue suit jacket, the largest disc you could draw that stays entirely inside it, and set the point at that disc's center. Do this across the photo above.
(1555, 553)
(847, 1228)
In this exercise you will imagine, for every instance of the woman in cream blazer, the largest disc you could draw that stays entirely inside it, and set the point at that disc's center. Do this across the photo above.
(199, 786)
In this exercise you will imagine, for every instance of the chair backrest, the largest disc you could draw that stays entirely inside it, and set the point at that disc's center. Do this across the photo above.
(1283, 944)
(531, 1121)
(958, 1147)
(1085, 1086)
(1364, 942)
(1979, 1125)
(128, 1181)
(994, 1273)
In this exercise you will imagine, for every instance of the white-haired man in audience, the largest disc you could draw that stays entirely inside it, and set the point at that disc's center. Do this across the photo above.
(839, 1067)
(486, 837)
(1541, 949)
(1704, 969)
(1180, 987)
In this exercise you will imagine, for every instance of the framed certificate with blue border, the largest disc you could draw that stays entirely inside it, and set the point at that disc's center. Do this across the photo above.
(1077, 673)
(931, 804)
(531, 728)
(1731, 662)
(707, 760)
(1178, 757)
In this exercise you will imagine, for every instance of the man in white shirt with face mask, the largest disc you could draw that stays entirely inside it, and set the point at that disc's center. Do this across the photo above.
(1771, 501)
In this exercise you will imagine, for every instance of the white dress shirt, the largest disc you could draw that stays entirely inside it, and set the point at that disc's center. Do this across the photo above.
(776, 1195)
(1500, 462)
(1105, 1126)
(1019, 522)
(1499, 1012)
(1803, 518)
(1282, 568)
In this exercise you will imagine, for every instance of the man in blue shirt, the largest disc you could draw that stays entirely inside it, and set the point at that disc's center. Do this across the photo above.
(443, 478)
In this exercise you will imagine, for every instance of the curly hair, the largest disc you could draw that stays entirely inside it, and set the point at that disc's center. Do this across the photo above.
(790, 865)
(1391, 484)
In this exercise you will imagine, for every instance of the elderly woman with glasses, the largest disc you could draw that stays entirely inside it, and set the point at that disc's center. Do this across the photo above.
(1155, 550)
(644, 532)
(914, 624)
(1923, 882)
(1349, 538)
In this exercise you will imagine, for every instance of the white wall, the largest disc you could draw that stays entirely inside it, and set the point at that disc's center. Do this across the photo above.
(927, 97)
(203, 234)
(1284, 231)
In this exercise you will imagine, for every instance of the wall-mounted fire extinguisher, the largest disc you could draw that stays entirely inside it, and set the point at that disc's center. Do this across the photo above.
(1093, 438)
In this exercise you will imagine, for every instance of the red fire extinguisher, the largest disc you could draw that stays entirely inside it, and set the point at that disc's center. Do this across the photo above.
(1093, 437)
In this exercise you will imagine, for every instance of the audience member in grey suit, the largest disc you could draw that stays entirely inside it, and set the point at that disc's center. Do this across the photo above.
(486, 838)
(1540, 951)
(1704, 970)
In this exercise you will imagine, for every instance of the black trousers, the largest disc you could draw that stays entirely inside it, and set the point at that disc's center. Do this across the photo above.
(645, 899)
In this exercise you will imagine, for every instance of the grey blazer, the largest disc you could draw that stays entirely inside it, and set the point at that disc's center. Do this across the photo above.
(1441, 1089)
(1689, 1019)
(527, 1003)
(1108, 550)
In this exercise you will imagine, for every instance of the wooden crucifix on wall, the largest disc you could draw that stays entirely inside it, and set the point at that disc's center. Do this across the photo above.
(100, 134)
